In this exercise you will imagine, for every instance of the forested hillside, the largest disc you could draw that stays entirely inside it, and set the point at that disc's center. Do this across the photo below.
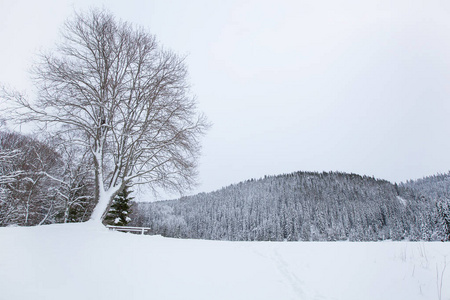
(435, 186)
(303, 206)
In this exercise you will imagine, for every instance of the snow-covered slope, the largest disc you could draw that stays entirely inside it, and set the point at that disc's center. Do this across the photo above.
(84, 261)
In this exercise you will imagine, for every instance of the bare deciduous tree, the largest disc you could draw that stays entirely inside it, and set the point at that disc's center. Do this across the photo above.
(120, 95)
(8, 175)
(26, 189)
(75, 191)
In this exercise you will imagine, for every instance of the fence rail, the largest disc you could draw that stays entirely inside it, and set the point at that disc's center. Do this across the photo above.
(142, 230)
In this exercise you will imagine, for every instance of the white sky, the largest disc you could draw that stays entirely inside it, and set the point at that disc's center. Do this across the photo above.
(319, 85)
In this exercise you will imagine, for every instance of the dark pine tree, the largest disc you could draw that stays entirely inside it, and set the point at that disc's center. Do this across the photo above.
(120, 209)
(443, 208)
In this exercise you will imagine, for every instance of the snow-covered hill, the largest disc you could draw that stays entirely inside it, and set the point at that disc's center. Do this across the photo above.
(302, 206)
(85, 261)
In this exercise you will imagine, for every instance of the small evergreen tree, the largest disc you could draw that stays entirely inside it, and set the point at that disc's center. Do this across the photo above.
(120, 209)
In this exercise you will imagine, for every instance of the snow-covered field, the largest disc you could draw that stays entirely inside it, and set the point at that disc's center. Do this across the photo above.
(85, 261)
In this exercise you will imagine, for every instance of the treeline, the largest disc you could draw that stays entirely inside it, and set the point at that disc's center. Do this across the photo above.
(46, 181)
(435, 186)
(303, 206)
(43, 182)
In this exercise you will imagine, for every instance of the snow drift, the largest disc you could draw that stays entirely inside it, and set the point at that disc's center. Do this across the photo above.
(86, 261)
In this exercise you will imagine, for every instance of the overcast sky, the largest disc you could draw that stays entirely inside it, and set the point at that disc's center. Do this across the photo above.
(352, 86)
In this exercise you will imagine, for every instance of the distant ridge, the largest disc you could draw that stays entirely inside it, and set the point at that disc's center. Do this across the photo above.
(304, 206)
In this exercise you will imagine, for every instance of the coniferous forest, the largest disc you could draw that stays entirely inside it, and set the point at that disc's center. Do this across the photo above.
(306, 206)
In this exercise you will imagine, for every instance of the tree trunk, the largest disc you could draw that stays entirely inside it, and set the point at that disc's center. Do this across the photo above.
(103, 197)
(98, 194)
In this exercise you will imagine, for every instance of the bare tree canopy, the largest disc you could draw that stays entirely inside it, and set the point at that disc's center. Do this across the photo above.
(27, 192)
(115, 91)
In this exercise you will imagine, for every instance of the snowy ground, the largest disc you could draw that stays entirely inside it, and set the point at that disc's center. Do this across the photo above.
(84, 261)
